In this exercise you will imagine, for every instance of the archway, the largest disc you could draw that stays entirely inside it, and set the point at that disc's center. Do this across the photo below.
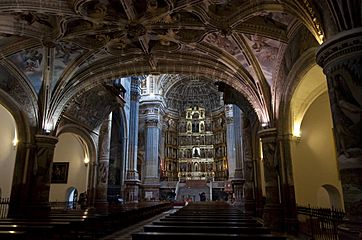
(8, 149)
(71, 198)
(329, 196)
(313, 149)
(73, 151)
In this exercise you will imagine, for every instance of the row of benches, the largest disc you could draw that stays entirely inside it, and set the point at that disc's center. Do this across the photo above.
(77, 224)
(206, 221)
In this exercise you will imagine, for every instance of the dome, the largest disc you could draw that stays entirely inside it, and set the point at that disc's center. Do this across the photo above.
(194, 92)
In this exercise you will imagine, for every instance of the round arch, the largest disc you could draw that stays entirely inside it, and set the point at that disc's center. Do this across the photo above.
(102, 74)
(88, 141)
(24, 140)
(332, 197)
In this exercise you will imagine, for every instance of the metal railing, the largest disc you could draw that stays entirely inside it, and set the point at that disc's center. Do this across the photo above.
(4, 207)
(319, 223)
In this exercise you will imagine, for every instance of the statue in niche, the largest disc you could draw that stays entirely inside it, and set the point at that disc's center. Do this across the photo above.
(189, 126)
(189, 153)
(202, 127)
(202, 153)
(208, 126)
(182, 127)
(196, 167)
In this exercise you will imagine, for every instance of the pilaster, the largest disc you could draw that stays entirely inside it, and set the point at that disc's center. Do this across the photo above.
(272, 214)
(41, 174)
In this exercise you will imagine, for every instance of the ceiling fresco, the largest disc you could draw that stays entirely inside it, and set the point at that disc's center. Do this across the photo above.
(70, 45)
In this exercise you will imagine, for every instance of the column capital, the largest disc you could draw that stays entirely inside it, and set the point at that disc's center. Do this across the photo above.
(46, 139)
(135, 89)
(268, 134)
(342, 46)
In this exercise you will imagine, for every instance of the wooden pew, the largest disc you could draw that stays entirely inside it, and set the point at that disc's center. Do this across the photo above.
(10, 234)
(200, 223)
(200, 236)
(207, 229)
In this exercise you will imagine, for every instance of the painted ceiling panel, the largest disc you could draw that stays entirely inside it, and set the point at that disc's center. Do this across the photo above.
(65, 53)
(153, 36)
(266, 51)
(30, 62)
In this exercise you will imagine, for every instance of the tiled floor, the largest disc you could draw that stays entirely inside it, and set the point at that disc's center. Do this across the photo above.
(126, 234)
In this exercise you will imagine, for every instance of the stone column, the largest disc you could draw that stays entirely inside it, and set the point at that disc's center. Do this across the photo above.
(230, 140)
(41, 174)
(103, 163)
(249, 194)
(132, 178)
(287, 184)
(341, 60)
(272, 214)
(238, 176)
(151, 180)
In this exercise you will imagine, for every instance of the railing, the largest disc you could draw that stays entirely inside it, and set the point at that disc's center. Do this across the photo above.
(4, 207)
(319, 223)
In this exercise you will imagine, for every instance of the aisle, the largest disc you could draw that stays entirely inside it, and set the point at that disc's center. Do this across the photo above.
(126, 233)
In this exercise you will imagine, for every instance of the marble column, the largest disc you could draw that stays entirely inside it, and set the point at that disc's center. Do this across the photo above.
(151, 180)
(103, 163)
(272, 214)
(249, 176)
(132, 178)
(41, 174)
(230, 140)
(237, 176)
(341, 60)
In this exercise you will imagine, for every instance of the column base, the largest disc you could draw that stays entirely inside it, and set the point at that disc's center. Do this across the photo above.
(151, 192)
(273, 217)
(101, 205)
(132, 191)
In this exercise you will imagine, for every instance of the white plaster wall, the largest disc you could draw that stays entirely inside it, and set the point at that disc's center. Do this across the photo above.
(69, 149)
(7, 151)
(314, 157)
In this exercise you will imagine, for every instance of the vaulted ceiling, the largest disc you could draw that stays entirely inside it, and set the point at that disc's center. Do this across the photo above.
(63, 50)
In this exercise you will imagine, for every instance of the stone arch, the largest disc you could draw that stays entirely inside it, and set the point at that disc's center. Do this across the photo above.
(334, 196)
(140, 68)
(24, 136)
(304, 95)
(89, 142)
(71, 197)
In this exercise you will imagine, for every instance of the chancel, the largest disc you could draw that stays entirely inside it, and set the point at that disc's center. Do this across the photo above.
(119, 112)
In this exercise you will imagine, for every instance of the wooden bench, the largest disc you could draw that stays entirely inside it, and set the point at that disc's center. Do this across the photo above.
(10, 234)
(201, 223)
(207, 229)
(200, 236)
(195, 219)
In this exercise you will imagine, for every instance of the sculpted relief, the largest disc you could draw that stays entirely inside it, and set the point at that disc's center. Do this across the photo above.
(347, 112)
